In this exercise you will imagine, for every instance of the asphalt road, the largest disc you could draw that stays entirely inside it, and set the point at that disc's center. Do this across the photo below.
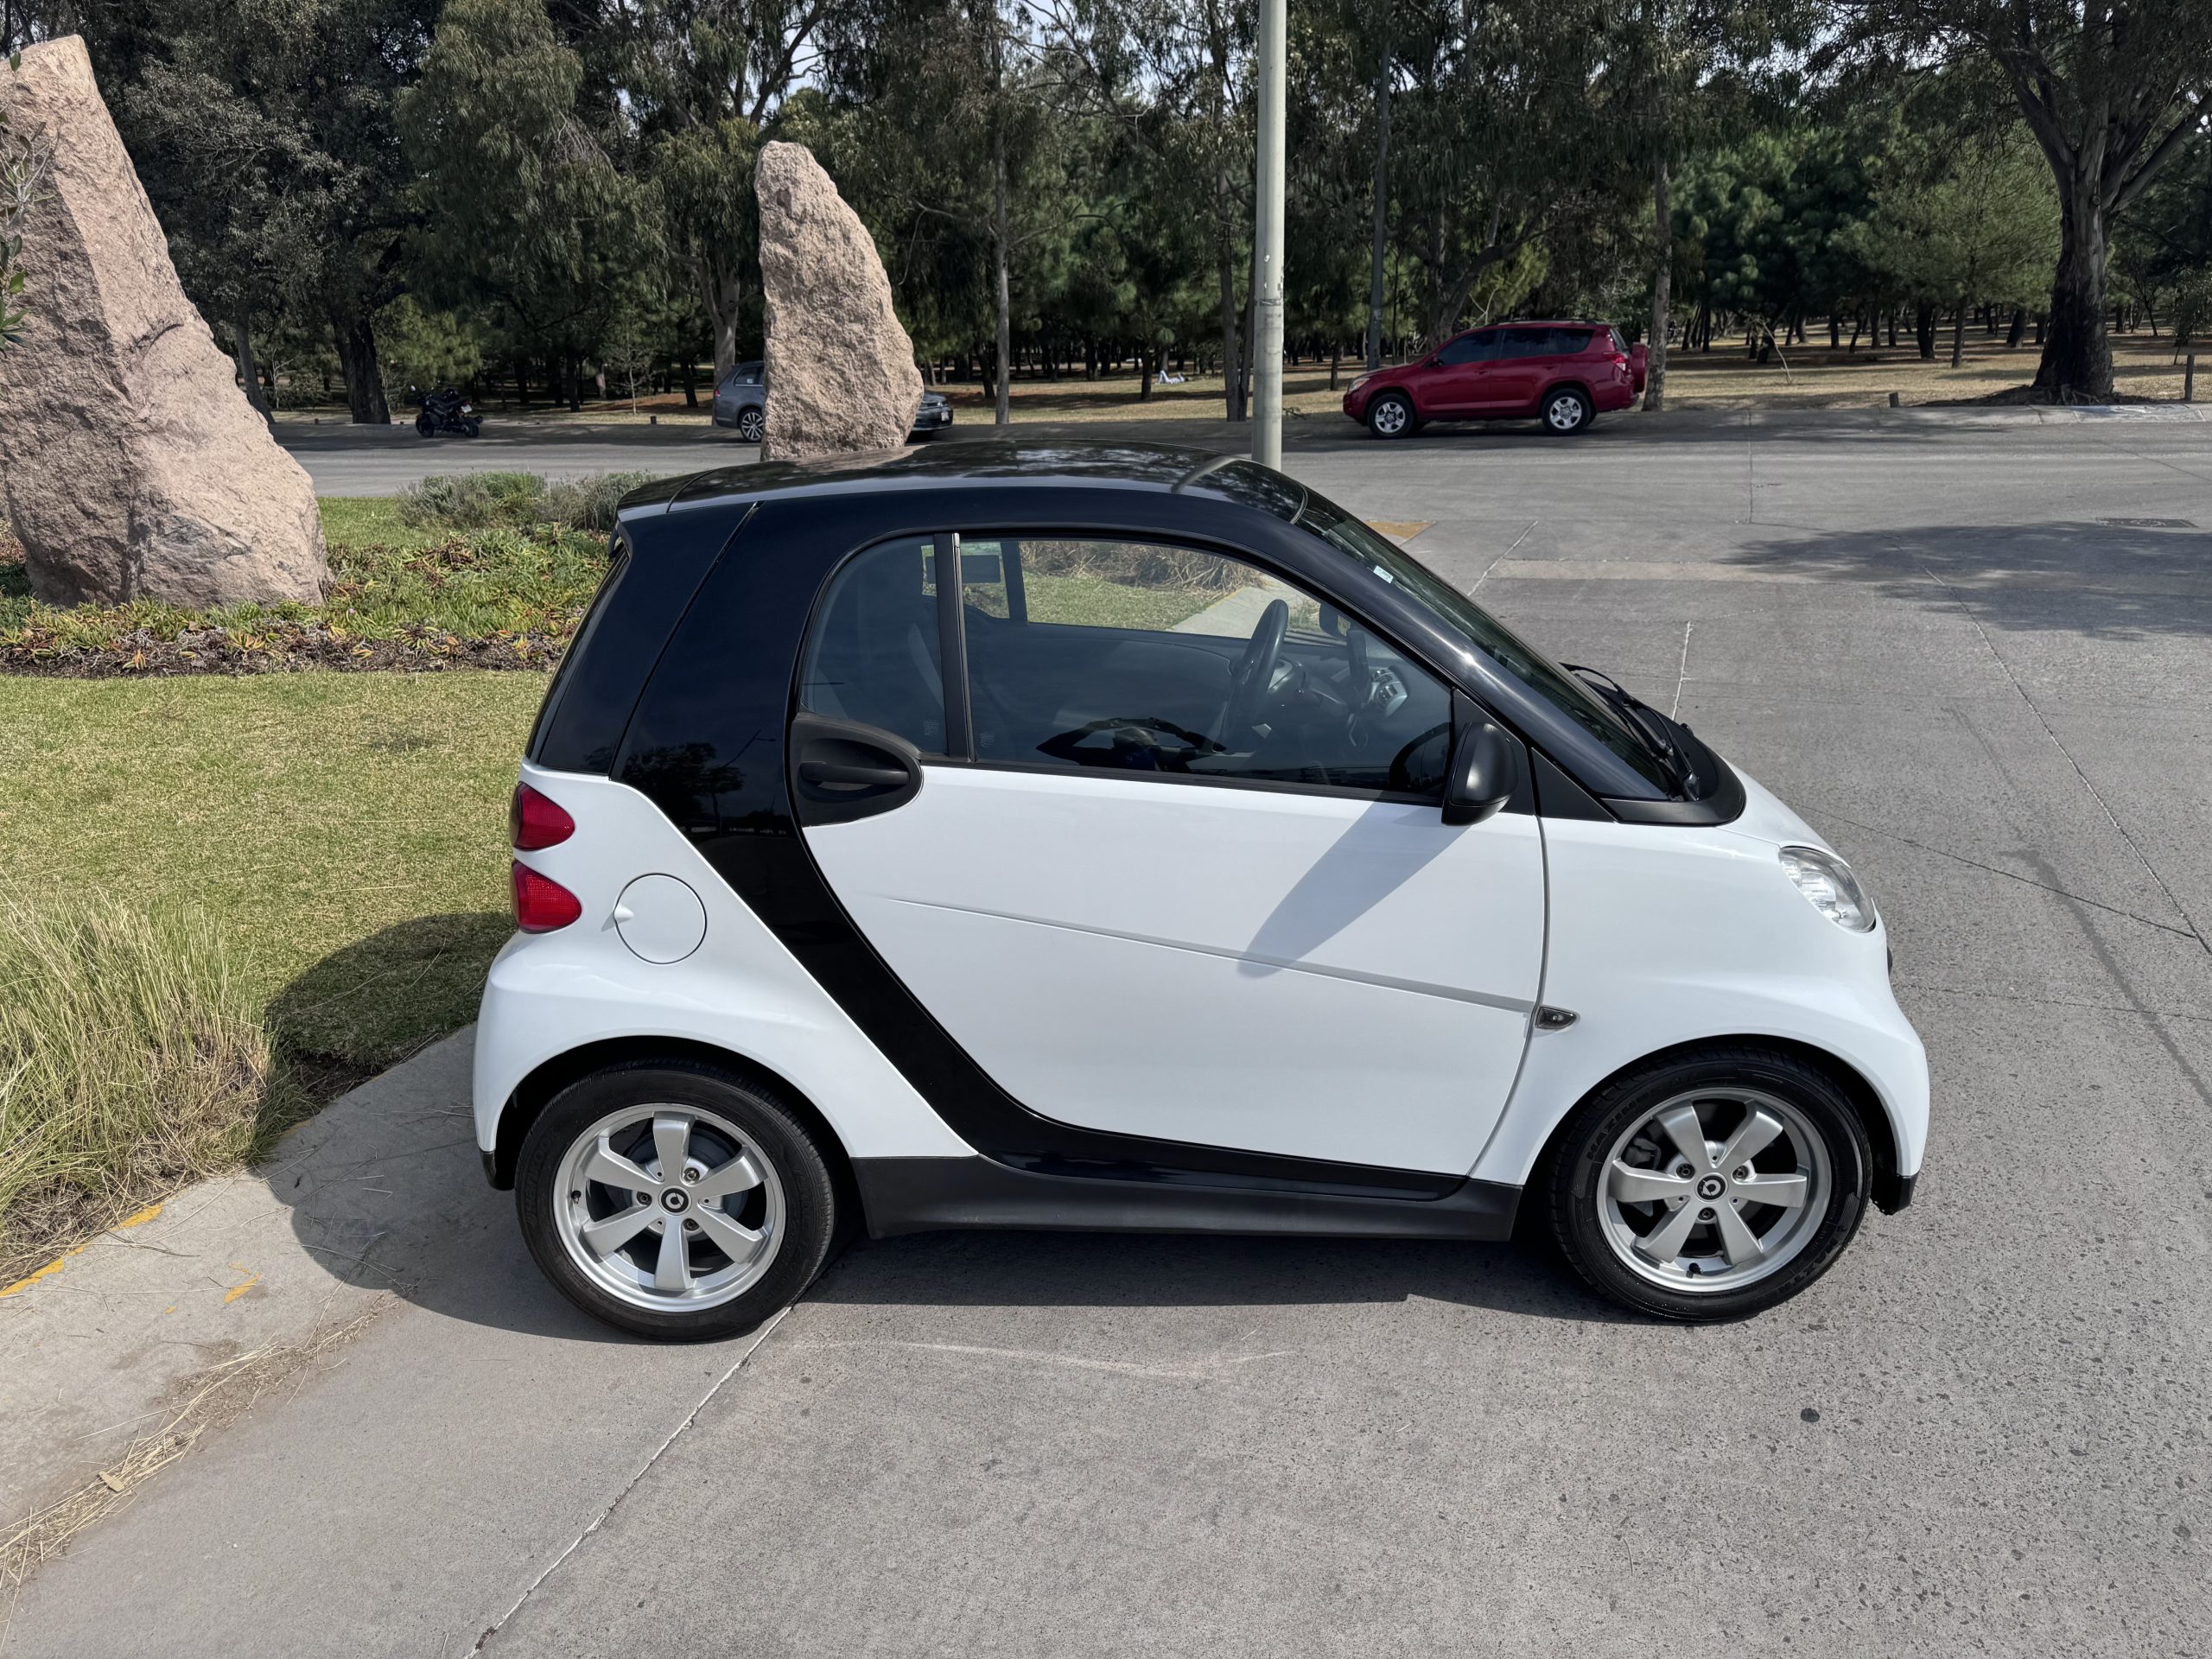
(1986, 1430)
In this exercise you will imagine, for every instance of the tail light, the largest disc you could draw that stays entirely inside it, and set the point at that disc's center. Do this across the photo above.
(534, 822)
(542, 904)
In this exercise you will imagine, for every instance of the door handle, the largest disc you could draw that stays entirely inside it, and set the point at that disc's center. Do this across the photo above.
(840, 772)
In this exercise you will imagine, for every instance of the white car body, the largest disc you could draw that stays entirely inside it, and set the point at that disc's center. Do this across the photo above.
(1655, 936)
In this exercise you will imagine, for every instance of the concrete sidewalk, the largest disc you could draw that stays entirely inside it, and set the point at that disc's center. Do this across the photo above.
(433, 1428)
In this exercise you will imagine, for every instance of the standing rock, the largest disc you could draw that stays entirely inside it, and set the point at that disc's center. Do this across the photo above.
(840, 370)
(131, 466)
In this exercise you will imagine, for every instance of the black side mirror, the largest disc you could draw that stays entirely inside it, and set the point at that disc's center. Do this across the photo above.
(1486, 768)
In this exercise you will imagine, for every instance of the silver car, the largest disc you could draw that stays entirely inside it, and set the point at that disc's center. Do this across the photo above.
(741, 402)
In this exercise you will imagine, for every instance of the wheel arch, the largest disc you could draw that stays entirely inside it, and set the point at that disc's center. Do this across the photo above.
(1890, 1192)
(538, 1089)
(1570, 382)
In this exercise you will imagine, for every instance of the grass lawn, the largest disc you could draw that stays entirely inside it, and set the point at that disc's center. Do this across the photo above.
(341, 836)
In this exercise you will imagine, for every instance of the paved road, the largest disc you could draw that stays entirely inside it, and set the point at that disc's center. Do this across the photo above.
(1986, 1430)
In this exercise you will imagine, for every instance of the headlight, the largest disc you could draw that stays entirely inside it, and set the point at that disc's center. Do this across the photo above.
(1829, 886)
(1357, 383)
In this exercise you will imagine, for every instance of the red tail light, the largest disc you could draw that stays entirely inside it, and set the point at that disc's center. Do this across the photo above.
(542, 904)
(534, 822)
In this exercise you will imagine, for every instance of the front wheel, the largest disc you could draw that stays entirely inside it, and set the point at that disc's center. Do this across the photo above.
(423, 426)
(1567, 411)
(1390, 416)
(674, 1201)
(1712, 1183)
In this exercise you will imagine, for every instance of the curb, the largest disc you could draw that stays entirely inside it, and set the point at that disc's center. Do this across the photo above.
(110, 1343)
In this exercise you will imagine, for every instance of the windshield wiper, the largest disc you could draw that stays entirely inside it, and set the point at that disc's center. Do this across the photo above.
(1652, 732)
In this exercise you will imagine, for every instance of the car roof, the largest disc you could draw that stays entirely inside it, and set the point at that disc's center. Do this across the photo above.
(998, 463)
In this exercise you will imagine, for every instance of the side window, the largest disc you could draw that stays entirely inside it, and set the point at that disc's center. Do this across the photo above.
(1468, 348)
(873, 654)
(1146, 656)
(1528, 342)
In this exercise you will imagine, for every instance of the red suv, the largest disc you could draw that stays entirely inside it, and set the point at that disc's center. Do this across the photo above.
(1561, 373)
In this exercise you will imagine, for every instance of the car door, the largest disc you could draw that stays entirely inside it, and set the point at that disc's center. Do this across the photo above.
(1524, 363)
(1452, 382)
(1165, 901)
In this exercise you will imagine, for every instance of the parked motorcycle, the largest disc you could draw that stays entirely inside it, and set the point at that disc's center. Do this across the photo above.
(445, 410)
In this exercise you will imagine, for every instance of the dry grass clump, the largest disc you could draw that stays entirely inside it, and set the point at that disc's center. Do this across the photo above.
(213, 1400)
(132, 1061)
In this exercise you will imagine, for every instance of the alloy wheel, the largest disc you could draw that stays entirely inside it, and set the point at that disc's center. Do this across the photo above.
(1714, 1190)
(669, 1208)
(1390, 417)
(1564, 414)
(751, 425)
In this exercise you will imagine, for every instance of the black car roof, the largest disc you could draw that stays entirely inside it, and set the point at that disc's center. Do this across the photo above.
(1157, 468)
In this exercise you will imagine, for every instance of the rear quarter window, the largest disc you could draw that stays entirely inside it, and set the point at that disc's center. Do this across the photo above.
(619, 553)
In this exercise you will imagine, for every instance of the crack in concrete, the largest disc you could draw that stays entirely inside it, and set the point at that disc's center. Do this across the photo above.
(2096, 795)
(630, 1485)
(2014, 875)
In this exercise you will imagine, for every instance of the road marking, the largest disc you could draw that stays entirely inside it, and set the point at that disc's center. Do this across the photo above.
(62, 1260)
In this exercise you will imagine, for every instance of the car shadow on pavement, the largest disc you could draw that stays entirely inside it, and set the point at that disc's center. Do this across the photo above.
(1021, 1269)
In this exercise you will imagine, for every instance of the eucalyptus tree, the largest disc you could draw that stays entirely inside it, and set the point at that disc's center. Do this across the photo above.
(2112, 91)
(522, 204)
(698, 84)
(1177, 75)
(1496, 137)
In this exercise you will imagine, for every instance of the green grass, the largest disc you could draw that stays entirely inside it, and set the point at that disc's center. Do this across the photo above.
(341, 836)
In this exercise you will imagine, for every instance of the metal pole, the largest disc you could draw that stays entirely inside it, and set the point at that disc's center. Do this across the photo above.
(1267, 240)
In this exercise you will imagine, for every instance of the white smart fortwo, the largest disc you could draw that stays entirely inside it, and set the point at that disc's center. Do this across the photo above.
(1115, 837)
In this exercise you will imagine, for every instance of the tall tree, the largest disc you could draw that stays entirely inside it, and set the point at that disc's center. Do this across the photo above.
(701, 81)
(522, 204)
(2112, 92)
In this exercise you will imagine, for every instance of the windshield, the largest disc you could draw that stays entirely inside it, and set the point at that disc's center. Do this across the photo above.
(1506, 649)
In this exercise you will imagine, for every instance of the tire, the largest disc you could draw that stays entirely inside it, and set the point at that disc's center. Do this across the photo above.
(1605, 1152)
(1391, 416)
(790, 1208)
(470, 428)
(422, 427)
(1567, 410)
(751, 424)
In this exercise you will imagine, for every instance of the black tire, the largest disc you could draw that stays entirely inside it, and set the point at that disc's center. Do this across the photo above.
(751, 424)
(422, 427)
(1579, 1153)
(1391, 416)
(1567, 410)
(773, 1129)
(470, 428)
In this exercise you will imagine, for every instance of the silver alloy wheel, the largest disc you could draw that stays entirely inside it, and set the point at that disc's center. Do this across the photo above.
(669, 1208)
(1390, 417)
(1714, 1190)
(751, 424)
(1564, 412)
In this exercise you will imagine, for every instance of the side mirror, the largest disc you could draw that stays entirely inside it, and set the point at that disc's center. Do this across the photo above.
(1487, 767)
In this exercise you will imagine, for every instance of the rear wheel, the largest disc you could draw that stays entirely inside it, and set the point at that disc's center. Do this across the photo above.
(1390, 416)
(675, 1202)
(1567, 411)
(1710, 1185)
(751, 424)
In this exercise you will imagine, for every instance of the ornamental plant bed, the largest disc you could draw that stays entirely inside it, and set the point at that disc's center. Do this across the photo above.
(411, 590)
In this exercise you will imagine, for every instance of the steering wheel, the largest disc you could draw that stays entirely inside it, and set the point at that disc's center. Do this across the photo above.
(1256, 669)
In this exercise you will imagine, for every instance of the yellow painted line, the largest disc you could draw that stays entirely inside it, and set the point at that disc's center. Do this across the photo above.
(62, 1260)
(237, 1291)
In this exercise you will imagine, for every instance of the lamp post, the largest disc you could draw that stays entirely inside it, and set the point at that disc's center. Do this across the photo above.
(1267, 239)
